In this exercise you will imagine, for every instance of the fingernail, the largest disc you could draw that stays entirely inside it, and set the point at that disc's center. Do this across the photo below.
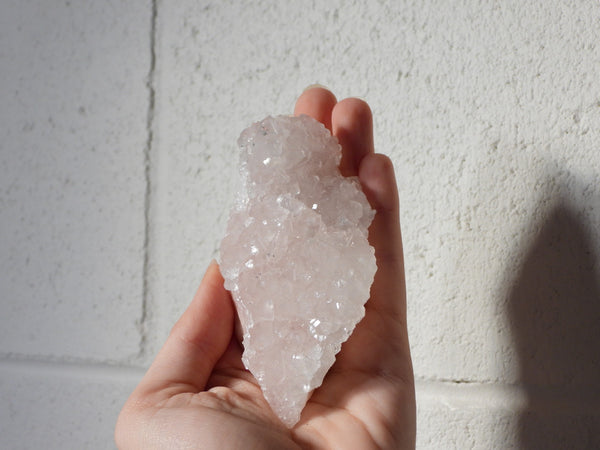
(312, 86)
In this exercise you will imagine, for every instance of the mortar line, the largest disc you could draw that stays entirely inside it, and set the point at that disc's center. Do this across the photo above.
(148, 195)
(461, 396)
(513, 397)
(455, 396)
(69, 368)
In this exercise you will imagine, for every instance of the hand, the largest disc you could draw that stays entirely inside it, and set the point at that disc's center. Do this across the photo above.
(197, 393)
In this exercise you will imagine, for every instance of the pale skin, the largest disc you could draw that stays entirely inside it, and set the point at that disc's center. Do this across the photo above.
(197, 393)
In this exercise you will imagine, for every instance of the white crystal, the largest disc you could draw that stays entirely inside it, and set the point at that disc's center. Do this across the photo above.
(295, 257)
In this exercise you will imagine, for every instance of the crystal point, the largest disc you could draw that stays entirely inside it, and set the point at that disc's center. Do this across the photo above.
(295, 257)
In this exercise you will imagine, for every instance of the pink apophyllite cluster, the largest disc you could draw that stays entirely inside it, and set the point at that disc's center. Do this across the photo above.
(295, 257)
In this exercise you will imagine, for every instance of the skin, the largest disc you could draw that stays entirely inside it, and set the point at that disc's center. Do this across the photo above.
(197, 393)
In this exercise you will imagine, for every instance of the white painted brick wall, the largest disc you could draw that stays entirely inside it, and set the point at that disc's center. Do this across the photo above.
(117, 161)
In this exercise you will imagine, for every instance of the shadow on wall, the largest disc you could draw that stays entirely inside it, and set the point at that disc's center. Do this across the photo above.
(554, 311)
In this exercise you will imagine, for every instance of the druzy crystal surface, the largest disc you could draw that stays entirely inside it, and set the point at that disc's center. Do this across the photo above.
(295, 257)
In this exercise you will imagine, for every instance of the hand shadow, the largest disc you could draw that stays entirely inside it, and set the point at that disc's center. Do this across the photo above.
(554, 311)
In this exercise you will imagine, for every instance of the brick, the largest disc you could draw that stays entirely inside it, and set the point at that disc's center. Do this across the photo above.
(72, 185)
(52, 407)
(484, 416)
(492, 135)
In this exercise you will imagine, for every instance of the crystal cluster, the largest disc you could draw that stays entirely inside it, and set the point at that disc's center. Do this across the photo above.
(295, 257)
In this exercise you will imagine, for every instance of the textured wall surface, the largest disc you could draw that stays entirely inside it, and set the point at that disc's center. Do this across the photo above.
(118, 123)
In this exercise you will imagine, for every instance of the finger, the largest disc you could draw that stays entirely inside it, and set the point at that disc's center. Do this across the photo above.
(197, 341)
(352, 123)
(388, 292)
(316, 102)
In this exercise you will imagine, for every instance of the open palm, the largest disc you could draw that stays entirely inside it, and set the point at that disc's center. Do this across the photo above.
(197, 393)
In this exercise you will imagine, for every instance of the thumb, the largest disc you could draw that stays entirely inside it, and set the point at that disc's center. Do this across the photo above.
(196, 342)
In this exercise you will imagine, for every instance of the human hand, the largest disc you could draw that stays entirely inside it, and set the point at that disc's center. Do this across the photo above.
(197, 393)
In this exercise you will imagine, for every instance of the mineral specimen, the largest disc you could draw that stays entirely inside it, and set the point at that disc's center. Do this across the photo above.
(295, 257)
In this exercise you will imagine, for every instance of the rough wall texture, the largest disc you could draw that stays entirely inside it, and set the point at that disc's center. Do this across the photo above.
(117, 153)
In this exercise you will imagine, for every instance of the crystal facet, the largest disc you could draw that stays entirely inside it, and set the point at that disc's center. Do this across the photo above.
(295, 257)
